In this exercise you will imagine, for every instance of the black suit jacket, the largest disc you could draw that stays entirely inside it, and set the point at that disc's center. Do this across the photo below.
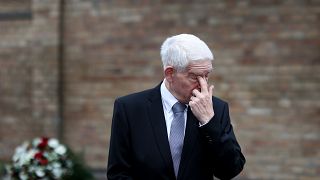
(139, 146)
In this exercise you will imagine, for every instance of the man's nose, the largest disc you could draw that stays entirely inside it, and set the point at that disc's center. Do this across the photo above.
(198, 86)
(205, 78)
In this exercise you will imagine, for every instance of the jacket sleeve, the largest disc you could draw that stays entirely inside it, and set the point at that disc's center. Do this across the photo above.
(228, 160)
(119, 160)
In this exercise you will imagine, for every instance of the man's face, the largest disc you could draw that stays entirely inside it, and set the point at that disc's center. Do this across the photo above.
(183, 83)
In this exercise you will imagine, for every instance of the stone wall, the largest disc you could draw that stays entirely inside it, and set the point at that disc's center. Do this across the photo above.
(267, 67)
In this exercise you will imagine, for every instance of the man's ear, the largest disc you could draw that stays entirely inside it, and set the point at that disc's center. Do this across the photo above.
(168, 73)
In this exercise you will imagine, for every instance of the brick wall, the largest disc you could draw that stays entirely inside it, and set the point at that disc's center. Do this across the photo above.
(28, 72)
(267, 68)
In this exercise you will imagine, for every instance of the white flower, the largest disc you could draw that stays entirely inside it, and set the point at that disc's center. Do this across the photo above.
(53, 143)
(23, 176)
(36, 142)
(22, 148)
(24, 159)
(30, 155)
(57, 172)
(32, 168)
(56, 165)
(40, 173)
(60, 150)
(20, 151)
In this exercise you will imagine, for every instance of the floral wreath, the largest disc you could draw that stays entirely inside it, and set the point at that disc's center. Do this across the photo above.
(43, 158)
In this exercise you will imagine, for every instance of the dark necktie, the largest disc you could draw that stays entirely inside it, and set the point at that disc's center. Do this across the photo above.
(177, 135)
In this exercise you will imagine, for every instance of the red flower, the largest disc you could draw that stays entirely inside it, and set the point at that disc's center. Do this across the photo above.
(39, 157)
(43, 144)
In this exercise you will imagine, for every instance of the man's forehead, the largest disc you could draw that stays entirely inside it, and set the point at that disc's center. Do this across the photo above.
(200, 66)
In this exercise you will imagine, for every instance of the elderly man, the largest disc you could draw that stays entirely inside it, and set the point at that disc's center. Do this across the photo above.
(176, 130)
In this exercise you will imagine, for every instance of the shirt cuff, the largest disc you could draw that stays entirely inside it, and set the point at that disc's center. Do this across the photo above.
(200, 125)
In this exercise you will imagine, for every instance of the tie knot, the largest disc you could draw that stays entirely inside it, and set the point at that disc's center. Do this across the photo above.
(178, 107)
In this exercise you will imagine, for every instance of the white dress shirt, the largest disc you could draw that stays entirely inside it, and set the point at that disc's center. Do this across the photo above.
(168, 100)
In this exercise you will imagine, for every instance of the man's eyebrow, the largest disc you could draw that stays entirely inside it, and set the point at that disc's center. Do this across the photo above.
(203, 73)
(209, 71)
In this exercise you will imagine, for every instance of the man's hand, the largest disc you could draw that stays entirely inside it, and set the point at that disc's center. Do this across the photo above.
(201, 102)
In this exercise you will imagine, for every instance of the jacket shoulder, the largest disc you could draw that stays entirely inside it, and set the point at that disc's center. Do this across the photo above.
(135, 98)
(219, 105)
(218, 101)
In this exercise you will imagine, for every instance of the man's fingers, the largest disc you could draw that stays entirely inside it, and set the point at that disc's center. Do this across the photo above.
(211, 90)
(203, 84)
(196, 92)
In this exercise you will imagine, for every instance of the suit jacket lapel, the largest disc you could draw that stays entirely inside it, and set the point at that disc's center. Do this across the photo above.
(157, 120)
(190, 138)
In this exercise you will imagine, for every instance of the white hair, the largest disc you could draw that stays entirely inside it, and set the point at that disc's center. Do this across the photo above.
(179, 50)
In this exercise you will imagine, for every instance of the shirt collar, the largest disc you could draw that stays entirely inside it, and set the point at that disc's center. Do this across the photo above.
(168, 99)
